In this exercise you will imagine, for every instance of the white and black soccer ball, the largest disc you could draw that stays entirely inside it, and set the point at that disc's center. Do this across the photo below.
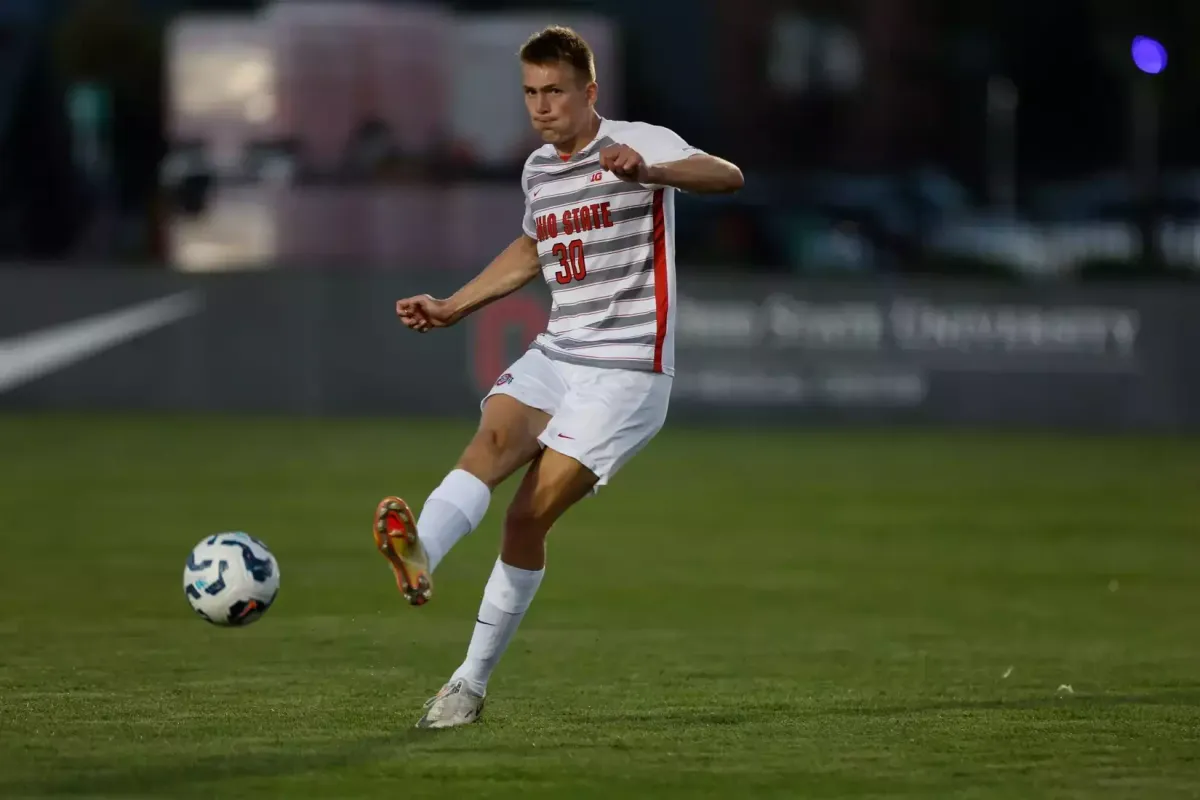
(231, 579)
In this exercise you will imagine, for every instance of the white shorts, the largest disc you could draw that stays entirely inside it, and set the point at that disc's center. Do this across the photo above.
(599, 417)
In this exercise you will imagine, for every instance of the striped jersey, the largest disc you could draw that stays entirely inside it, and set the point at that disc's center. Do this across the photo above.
(607, 250)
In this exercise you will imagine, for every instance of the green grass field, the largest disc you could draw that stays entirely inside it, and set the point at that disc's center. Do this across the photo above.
(809, 614)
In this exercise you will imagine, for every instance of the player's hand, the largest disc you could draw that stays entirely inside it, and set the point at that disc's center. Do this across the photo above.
(625, 162)
(424, 313)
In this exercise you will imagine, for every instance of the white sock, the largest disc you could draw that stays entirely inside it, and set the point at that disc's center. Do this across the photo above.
(454, 509)
(505, 599)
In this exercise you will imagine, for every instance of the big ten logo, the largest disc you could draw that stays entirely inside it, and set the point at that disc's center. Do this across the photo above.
(502, 331)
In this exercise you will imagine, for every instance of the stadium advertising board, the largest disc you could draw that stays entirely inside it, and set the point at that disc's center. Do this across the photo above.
(933, 352)
(292, 341)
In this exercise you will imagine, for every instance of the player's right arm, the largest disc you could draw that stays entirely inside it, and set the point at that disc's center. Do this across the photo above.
(517, 265)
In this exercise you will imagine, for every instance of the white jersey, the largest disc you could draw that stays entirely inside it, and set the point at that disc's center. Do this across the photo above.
(607, 250)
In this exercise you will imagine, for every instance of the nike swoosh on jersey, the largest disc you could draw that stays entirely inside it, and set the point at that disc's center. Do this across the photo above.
(34, 355)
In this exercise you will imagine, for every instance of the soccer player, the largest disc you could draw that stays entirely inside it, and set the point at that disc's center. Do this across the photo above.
(593, 389)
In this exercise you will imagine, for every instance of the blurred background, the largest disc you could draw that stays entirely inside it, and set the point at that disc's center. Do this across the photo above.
(981, 211)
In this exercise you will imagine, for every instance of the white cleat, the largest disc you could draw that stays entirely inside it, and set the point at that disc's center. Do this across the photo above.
(453, 706)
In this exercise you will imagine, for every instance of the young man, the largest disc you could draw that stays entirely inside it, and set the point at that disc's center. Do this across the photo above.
(593, 389)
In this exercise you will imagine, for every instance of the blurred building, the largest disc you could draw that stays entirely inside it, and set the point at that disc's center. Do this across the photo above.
(877, 135)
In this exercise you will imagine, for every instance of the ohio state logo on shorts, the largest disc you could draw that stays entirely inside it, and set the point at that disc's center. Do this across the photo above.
(503, 379)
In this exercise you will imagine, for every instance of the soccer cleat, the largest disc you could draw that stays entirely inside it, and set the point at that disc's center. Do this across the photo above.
(396, 537)
(453, 706)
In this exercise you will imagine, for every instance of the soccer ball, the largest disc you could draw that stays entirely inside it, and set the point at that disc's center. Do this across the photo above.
(231, 579)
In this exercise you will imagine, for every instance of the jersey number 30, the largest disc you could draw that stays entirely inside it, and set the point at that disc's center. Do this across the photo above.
(570, 256)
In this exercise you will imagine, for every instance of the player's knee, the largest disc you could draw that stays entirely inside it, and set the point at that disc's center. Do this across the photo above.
(492, 442)
(488, 454)
(533, 513)
(525, 520)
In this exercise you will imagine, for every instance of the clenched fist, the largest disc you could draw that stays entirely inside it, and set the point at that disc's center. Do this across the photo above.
(424, 312)
(625, 162)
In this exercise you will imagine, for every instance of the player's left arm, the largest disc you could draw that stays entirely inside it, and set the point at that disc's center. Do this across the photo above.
(656, 156)
(700, 173)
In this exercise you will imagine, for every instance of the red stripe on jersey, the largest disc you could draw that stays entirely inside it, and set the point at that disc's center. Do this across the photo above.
(662, 297)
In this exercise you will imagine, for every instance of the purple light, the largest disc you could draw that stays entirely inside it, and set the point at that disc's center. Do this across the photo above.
(1149, 55)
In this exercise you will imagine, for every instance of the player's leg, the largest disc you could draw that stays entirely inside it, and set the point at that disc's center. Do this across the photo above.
(607, 417)
(514, 413)
(505, 442)
(553, 483)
